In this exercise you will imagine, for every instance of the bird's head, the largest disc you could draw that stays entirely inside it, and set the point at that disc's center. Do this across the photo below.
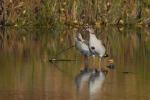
(90, 30)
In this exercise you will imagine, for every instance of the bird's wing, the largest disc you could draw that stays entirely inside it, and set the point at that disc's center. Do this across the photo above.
(99, 48)
(81, 46)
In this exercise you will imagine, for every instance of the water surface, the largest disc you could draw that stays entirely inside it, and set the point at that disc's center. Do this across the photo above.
(26, 73)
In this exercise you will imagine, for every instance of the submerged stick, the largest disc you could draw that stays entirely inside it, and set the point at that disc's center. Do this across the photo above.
(56, 60)
(62, 51)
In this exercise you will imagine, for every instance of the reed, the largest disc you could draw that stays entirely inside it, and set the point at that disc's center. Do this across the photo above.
(97, 12)
(2, 15)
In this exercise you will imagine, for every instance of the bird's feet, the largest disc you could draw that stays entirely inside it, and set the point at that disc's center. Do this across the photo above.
(84, 69)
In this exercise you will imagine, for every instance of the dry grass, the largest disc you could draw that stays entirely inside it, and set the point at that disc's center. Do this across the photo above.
(96, 12)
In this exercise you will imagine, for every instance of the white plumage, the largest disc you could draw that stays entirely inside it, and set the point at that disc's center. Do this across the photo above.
(82, 78)
(81, 45)
(96, 46)
(95, 83)
(93, 47)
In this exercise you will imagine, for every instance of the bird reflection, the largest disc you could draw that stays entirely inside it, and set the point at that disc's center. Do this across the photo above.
(96, 81)
(82, 77)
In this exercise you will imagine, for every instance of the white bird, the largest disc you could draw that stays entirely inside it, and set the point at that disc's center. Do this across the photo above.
(96, 46)
(81, 45)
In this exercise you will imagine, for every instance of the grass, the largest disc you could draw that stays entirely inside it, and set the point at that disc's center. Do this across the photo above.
(49, 13)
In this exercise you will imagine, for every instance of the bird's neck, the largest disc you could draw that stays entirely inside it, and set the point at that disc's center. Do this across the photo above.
(92, 36)
(80, 37)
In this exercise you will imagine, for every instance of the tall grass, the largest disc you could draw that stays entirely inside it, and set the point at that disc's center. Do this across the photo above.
(2, 16)
(96, 12)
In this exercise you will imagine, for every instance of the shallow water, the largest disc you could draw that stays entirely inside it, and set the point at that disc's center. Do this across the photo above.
(26, 73)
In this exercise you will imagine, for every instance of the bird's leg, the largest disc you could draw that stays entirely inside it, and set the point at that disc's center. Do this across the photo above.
(100, 59)
(82, 67)
(94, 62)
(103, 69)
(86, 62)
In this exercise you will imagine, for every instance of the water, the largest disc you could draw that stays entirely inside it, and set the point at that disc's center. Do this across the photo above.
(26, 73)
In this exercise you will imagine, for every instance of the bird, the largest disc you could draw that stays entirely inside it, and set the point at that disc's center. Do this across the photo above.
(96, 46)
(83, 47)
